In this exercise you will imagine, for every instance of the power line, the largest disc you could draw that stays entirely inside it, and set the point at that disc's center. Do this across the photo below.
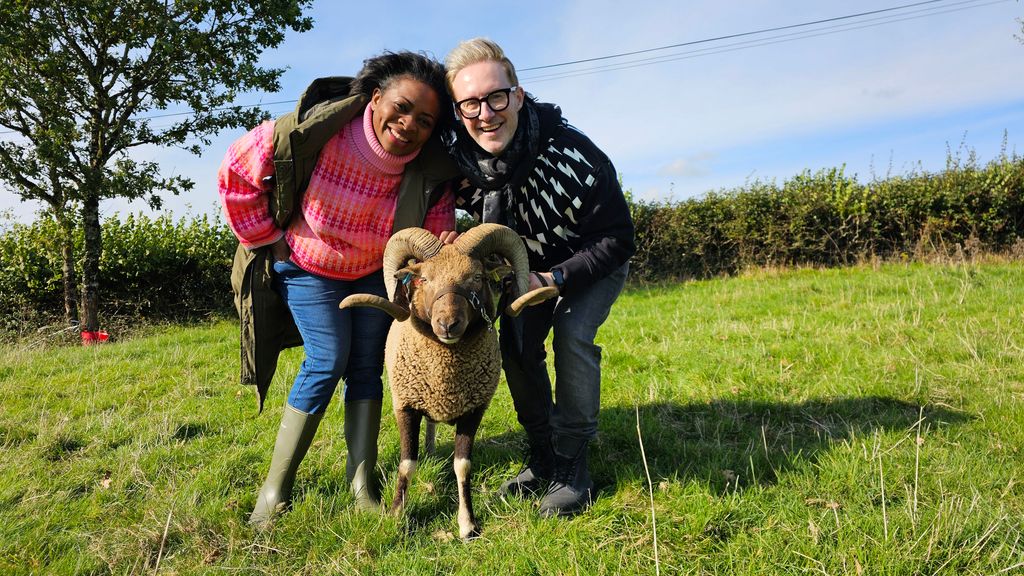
(730, 36)
(891, 18)
(746, 44)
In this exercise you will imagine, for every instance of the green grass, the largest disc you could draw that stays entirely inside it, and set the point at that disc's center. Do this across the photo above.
(856, 421)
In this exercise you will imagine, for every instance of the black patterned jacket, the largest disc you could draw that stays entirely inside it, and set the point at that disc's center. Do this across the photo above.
(569, 209)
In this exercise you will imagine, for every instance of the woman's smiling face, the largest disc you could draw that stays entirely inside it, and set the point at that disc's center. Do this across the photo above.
(404, 115)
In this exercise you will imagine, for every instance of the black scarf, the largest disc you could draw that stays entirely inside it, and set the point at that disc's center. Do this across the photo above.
(499, 175)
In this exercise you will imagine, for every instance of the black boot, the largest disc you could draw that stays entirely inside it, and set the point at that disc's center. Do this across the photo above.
(571, 489)
(536, 472)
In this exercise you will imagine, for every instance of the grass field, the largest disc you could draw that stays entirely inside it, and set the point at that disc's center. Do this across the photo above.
(855, 421)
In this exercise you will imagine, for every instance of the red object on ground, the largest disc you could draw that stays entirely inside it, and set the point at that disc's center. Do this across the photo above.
(94, 337)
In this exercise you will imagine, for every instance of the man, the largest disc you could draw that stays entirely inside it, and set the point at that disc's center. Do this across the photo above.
(525, 167)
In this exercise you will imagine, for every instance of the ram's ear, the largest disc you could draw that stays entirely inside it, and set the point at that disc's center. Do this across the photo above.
(496, 270)
(406, 280)
(497, 277)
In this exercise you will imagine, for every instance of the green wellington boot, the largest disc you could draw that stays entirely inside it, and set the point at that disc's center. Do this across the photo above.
(293, 439)
(362, 425)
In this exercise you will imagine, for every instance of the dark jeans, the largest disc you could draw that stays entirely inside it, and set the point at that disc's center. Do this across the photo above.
(338, 343)
(574, 320)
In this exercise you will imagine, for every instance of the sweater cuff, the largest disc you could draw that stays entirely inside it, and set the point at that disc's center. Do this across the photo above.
(277, 235)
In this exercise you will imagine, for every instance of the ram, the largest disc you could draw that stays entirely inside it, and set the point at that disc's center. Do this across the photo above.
(442, 351)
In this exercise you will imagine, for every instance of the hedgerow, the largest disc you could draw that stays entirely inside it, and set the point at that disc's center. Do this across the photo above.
(158, 268)
(150, 269)
(827, 218)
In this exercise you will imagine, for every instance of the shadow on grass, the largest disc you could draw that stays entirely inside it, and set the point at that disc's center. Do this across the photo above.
(190, 431)
(732, 444)
(728, 445)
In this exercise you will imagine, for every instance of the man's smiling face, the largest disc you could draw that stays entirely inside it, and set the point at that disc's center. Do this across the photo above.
(492, 131)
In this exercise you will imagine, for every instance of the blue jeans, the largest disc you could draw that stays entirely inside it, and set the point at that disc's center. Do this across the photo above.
(338, 343)
(574, 320)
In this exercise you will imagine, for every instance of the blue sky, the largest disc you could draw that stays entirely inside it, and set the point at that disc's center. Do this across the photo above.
(887, 93)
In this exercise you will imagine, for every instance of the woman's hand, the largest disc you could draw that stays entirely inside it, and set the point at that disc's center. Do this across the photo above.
(280, 250)
(448, 236)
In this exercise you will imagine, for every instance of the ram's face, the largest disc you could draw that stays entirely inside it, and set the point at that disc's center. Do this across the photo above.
(442, 289)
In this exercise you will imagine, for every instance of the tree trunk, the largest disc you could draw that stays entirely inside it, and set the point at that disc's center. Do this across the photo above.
(68, 268)
(62, 214)
(91, 263)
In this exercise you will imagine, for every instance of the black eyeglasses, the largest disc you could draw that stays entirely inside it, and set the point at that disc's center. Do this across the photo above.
(497, 101)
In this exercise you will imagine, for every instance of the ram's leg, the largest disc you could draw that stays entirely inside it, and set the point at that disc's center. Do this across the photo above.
(430, 438)
(465, 432)
(409, 435)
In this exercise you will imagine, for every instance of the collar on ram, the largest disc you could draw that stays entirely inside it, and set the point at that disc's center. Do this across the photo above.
(473, 297)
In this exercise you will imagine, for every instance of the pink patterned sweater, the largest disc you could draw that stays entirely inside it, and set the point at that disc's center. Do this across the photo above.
(347, 210)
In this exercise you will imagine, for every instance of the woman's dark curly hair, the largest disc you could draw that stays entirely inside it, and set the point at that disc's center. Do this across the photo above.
(384, 70)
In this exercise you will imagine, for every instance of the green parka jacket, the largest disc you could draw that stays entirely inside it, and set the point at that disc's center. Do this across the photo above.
(267, 326)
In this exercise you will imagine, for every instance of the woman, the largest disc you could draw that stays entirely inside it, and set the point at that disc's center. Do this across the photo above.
(333, 247)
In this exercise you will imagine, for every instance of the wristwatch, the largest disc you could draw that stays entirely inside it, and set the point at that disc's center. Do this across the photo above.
(556, 274)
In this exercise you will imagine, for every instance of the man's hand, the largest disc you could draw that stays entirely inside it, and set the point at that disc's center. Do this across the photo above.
(280, 250)
(448, 236)
(540, 280)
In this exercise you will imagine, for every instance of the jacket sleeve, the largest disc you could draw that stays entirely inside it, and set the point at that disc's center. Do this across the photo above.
(240, 185)
(441, 216)
(606, 233)
(469, 199)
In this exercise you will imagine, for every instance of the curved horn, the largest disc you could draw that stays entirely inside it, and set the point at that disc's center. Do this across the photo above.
(405, 244)
(374, 301)
(530, 299)
(486, 239)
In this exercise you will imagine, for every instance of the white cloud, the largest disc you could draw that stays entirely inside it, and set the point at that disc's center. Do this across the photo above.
(883, 93)
(690, 166)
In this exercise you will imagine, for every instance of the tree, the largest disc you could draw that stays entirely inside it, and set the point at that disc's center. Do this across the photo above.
(81, 84)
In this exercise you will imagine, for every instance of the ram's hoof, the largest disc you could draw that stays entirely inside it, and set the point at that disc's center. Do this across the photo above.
(468, 533)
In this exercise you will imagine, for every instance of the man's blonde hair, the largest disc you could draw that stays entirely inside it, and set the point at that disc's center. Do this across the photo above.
(473, 51)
